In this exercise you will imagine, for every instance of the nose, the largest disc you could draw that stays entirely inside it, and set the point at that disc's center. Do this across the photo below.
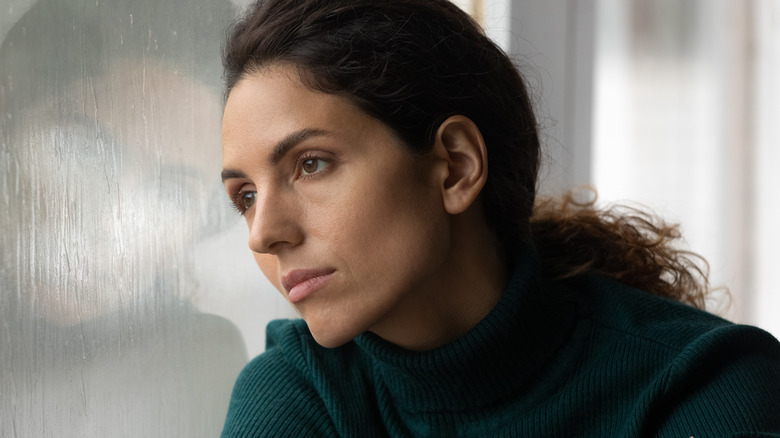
(275, 224)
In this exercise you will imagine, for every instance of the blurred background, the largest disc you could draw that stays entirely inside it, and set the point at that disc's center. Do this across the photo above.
(668, 104)
(128, 298)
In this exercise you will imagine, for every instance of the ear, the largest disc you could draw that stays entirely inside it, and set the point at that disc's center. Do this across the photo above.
(460, 144)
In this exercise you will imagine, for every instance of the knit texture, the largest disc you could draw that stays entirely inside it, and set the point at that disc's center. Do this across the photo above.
(588, 358)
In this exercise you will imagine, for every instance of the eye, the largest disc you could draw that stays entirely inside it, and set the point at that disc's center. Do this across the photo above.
(243, 200)
(312, 165)
(247, 199)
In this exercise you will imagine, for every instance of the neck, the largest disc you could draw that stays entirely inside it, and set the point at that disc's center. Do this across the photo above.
(464, 290)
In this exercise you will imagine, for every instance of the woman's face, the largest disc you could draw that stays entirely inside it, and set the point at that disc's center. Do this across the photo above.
(343, 220)
(114, 167)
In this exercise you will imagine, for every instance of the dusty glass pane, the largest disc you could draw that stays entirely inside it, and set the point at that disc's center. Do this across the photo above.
(109, 187)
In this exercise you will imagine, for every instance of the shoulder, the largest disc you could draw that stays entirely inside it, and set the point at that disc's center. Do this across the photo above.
(274, 395)
(634, 313)
(705, 374)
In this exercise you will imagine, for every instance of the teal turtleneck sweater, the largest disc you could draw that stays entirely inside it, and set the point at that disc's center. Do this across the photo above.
(588, 358)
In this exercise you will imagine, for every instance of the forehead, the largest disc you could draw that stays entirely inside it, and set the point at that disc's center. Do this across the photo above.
(147, 114)
(268, 105)
(276, 92)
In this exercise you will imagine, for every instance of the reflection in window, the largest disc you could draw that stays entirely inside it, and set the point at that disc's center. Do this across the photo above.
(109, 139)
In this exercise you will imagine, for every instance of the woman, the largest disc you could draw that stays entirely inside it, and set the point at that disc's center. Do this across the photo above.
(384, 155)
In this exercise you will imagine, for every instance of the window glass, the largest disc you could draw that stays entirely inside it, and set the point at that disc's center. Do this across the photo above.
(129, 301)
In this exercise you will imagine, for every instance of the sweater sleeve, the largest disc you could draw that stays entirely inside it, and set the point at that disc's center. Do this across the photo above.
(724, 384)
(273, 397)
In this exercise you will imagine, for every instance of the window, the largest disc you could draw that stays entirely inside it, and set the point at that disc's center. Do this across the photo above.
(125, 309)
(685, 121)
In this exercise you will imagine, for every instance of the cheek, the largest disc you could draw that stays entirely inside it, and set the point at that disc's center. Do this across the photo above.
(270, 267)
(390, 227)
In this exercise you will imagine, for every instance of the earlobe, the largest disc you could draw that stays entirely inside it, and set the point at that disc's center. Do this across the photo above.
(459, 142)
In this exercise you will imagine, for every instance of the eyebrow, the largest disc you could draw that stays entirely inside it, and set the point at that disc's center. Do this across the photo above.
(230, 173)
(291, 141)
(280, 150)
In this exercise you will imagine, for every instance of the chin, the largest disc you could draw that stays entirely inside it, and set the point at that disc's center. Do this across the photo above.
(330, 340)
(330, 335)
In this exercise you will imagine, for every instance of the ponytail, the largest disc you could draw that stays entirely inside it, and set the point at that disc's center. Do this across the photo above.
(622, 242)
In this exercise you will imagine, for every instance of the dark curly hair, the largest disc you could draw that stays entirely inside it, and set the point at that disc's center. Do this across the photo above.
(412, 64)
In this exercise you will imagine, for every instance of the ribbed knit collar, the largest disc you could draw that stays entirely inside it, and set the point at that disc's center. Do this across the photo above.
(499, 355)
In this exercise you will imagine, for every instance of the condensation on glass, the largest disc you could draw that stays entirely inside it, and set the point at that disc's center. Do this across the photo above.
(129, 301)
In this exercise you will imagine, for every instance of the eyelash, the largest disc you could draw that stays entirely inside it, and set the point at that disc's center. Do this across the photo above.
(234, 206)
(236, 201)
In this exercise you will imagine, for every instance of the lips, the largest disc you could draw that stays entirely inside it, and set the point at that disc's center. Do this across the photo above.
(301, 283)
